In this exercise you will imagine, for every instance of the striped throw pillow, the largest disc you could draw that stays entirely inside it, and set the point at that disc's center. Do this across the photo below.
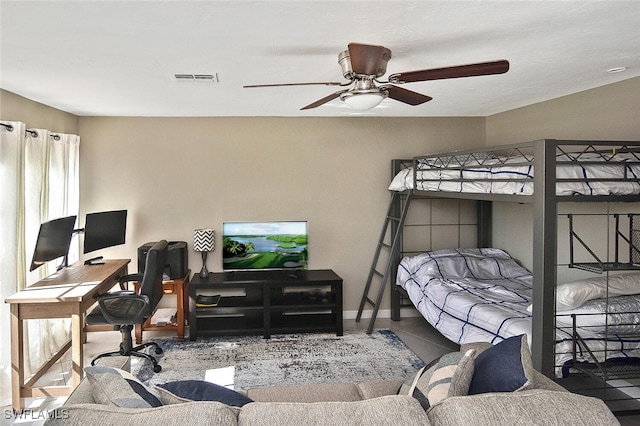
(451, 377)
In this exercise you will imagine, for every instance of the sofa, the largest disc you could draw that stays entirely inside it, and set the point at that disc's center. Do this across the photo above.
(437, 394)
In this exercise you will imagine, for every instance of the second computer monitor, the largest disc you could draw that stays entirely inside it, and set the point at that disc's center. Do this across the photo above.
(104, 229)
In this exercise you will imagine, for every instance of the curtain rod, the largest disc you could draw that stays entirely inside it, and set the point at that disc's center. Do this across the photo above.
(33, 133)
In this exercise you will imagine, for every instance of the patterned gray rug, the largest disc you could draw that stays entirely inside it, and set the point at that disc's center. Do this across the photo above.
(285, 359)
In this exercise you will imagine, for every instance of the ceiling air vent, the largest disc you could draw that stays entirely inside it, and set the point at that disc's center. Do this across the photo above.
(213, 78)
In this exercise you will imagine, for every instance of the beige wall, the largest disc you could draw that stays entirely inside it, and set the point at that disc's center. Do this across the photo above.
(36, 115)
(610, 113)
(178, 174)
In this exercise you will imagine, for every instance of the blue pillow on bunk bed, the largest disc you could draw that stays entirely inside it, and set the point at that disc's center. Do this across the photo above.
(505, 367)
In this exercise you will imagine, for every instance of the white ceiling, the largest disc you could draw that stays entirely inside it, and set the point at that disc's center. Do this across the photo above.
(119, 57)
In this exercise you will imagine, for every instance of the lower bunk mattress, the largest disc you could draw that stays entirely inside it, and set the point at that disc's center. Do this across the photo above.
(472, 295)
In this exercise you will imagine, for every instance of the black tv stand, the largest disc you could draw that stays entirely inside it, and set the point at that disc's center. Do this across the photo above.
(266, 303)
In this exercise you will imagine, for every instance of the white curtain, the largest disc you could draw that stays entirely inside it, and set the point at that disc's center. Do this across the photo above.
(38, 182)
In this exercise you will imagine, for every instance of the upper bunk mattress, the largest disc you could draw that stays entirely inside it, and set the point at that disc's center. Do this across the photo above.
(586, 174)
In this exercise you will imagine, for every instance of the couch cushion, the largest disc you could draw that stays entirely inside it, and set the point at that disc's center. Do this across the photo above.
(532, 407)
(112, 386)
(319, 392)
(194, 413)
(378, 388)
(199, 390)
(505, 367)
(387, 410)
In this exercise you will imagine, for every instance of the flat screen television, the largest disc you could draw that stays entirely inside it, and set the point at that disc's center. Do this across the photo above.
(104, 229)
(54, 239)
(264, 245)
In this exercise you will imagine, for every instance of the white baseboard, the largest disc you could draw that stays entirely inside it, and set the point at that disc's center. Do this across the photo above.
(382, 313)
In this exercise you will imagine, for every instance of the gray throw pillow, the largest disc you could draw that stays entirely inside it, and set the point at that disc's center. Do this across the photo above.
(449, 375)
(112, 386)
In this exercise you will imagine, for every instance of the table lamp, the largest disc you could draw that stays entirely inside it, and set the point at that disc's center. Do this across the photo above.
(204, 241)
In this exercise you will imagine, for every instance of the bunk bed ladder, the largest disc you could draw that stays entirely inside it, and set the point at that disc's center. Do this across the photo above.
(393, 226)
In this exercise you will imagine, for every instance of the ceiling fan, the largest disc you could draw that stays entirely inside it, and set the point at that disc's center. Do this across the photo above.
(363, 64)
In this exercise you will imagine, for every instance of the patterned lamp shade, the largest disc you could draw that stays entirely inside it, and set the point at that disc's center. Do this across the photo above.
(204, 240)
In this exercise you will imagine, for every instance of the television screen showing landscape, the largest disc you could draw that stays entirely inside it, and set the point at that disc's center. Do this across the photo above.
(264, 245)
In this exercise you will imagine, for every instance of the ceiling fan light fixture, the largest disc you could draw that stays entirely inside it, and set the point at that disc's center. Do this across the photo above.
(363, 64)
(363, 101)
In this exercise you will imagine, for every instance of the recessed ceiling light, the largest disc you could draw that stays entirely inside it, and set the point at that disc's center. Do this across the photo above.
(616, 70)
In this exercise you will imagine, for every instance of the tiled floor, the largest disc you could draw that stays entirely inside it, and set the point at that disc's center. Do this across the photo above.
(414, 332)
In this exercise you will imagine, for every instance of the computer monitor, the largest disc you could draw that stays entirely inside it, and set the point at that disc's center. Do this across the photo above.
(54, 239)
(104, 229)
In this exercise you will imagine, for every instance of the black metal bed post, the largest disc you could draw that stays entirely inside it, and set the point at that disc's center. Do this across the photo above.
(484, 231)
(396, 252)
(544, 256)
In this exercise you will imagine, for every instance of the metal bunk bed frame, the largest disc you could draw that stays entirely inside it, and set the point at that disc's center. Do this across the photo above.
(541, 155)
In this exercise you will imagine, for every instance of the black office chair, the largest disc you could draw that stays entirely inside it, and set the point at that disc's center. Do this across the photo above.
(125, 308)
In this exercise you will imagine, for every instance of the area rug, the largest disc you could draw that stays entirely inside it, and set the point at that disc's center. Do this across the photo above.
(285, 359)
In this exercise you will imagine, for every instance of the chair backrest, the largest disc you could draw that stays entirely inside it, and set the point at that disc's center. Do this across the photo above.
(151, 284)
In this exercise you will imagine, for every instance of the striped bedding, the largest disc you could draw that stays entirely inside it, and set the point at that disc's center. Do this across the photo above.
(513, 176)
(472, 295)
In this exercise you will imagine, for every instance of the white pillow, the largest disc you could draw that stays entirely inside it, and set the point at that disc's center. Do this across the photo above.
(574, 294)
(402, 181)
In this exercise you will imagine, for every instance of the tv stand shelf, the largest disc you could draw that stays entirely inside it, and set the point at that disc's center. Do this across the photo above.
(266, 302)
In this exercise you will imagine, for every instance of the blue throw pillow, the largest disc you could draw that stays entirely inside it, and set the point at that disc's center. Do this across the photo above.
(199, 390)
(505, 367)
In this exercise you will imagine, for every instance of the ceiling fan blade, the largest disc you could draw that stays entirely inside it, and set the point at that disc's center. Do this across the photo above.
(320, 83)
(324, 100)
(365, 59)
(407, 96)
(471, 70)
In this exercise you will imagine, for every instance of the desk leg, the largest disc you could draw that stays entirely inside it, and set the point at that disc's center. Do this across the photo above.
(77, 352)
(193, 319)
(17, 357)
(138, 329)
(180, 311)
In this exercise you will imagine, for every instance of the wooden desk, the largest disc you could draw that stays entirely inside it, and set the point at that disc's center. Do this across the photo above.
(179, 287)
(68, 293)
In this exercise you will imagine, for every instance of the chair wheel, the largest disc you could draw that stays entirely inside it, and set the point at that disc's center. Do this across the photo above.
(158, 350)
(157, 368)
